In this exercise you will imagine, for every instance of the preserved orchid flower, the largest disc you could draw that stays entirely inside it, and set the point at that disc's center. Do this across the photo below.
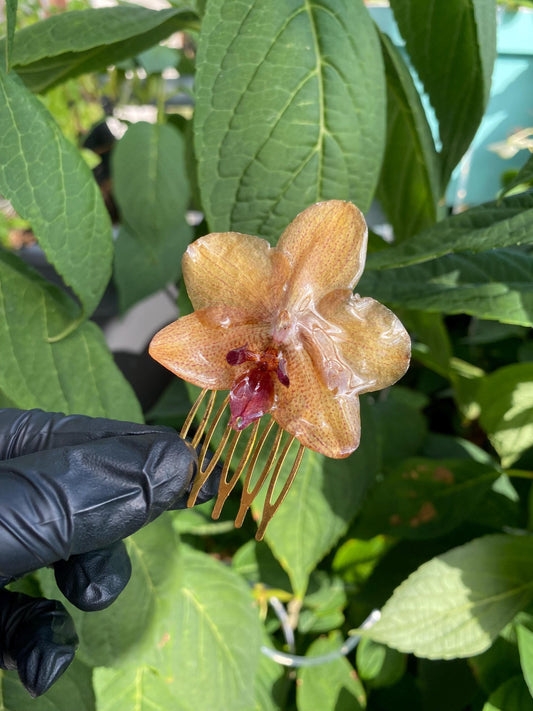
(281, 329)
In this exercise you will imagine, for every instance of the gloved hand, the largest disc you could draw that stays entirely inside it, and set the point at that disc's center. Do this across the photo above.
(71, 488)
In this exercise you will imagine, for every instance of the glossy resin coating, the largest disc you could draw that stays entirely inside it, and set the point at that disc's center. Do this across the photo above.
(281, 329)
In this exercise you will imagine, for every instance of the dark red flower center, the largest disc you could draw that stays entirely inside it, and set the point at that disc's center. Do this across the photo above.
(252, 393)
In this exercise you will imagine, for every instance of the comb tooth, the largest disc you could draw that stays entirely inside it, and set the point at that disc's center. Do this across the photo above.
(269, 507)
(225, 486)
(212, 427)
(206, 430)
(205, 418)
(203, 474)
(248, 496)
(190, 417)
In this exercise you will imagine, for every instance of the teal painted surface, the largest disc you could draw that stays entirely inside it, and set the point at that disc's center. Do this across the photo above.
(477, 178)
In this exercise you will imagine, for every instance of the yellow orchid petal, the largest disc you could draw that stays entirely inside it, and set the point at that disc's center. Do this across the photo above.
(233, 269)
(319, 419)
(364, 346)
(326, 248)
(195, 346)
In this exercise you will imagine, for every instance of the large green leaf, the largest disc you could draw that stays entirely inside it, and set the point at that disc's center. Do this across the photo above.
(268, 681)
(76, 374)
(11, 17)
(73, 690)
(72, 43)
(152, 192)
(184, 615)
(139, 687)
(126, 633)
(329, 687)
(289, 110)
(489, 226)
(452, 45)
(409, 183)
(497, 284)
(50, 185)
(421, 497)
(325, 496)
(213, 656)
(391, 411)
(457, 603)
(506, 401)
(149, 184)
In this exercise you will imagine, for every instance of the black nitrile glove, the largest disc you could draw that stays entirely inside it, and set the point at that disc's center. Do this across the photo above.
(71, 488)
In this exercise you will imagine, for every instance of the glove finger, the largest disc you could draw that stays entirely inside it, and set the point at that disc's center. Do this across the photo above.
(27, 431)
(92, 581)
(61, 502)
(37, 639)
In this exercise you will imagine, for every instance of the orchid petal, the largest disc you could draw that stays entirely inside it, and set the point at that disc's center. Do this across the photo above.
(233, 269)
(326, 247)
(362, 348)
(195, 346)
(319, 419)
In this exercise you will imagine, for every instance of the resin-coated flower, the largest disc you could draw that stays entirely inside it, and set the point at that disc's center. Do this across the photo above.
(282, 330)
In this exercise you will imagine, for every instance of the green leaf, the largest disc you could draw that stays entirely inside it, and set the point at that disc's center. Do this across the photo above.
(214, 620)
(209, 617)
(325, 490)
(506, 400)
(453, 47)
(323, 604)
(489, 226)
(141, 688)
(525, 648)
(379, 665)
(142, 617)
(355, 559)
(256, 564)
(72, 43)
(268, 680)
(394, 441)
(290, 110)
(499, 663)
(73, 690)
(172, 407)
(497, 284)
(457, 603)
(523, 177)
(512, 695)
(11, 18)
(329, 687)
(421, 497)
(49, 184)
(149, 182)
(409, 183)
(432, 341)
(152, 193)
(74, 375)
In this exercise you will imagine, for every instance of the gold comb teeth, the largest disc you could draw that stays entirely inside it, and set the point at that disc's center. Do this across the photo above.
(247, 465)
